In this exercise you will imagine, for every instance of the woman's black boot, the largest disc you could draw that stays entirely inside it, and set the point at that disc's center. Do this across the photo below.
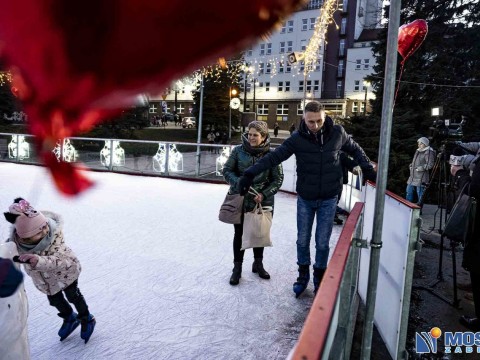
(236, 273)
(257, 267)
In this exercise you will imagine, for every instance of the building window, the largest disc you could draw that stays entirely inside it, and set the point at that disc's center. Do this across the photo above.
(299, 109)
(355, 107)
(300, 85)
(303, 45)
(280, 67)
(153, 109)
(289, 46)
(343, 27)
(313, 21)
(316, 84)
(340, 68)
(356, 85)
(261, 68)
(288, 69)
(358, 64)
(317, 65)
(304, 24)
(341, 48)
(180, 108)
(269, 48)
(280, 86)
(339, 89)
(282, 109)
(262, 49)
(262, 109)
(290, 26)
(284, 28)
(250, 52)
(282, 47)
(268, 70)
(302, 66)
(267, 86)
(364, 87)
(362, 107)
(309, 85)
(287, 85)
(366, 64)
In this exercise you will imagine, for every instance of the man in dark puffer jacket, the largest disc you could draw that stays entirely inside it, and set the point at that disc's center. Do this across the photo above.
(316, 145)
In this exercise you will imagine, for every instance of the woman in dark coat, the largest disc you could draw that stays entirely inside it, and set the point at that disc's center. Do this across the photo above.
(255, 144)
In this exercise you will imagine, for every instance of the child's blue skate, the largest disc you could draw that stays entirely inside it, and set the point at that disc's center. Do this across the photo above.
(68, 326)
(88, 324)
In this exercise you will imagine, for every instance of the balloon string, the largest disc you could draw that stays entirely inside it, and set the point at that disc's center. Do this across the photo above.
(398, 82)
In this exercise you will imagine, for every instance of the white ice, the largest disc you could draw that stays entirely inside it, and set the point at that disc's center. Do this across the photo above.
(156, 264)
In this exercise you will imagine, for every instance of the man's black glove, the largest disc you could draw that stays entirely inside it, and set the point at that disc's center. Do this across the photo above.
(244, 183)
(369, 174)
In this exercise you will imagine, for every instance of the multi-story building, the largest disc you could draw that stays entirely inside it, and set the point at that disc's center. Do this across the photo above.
(276, 87)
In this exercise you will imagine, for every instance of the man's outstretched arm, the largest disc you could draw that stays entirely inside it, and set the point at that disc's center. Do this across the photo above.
(280, 154)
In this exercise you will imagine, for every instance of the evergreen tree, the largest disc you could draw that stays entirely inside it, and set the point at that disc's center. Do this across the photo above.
(8, 102)
(216, 98)
(124, 125)
(444, 71)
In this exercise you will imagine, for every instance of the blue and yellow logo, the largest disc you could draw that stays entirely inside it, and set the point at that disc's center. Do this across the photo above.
(426, 342)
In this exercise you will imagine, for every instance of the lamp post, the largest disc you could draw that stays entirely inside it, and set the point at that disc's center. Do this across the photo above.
(365, 85)
(230, 93)
(254, 109)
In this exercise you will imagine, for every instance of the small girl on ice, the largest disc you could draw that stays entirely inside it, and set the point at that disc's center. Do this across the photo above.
(51, 264)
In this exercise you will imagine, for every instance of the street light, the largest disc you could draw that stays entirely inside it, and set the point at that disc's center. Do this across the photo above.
(254, 84)
(366, 84)
(230, 105)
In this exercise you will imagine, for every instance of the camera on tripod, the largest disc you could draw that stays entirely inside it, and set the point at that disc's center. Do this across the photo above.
(444, 130)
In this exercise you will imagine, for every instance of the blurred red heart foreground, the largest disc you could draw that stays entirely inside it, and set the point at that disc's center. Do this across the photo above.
(411, 36)
(76, 62)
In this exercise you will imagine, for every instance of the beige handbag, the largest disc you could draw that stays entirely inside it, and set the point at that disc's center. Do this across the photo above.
(256, 227)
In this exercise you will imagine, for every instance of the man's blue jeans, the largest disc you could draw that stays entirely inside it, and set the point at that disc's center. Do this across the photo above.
(411, 189)
(306, 210)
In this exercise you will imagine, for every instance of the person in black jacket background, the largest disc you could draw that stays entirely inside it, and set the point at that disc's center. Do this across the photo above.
(10, 278)
(471, 252)
(316, 145)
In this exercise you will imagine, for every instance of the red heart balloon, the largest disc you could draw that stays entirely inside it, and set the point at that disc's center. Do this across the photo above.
(14, 91)
(411, 36)
(80, 61)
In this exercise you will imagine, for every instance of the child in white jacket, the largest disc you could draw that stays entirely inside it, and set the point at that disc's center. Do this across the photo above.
(51, 264)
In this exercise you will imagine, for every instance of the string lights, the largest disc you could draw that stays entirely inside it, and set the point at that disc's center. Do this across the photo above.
(319, 32)
(5, 77)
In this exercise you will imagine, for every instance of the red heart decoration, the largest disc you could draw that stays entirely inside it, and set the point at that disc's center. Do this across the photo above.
(81, 61)
(411, 36)
(15, 91)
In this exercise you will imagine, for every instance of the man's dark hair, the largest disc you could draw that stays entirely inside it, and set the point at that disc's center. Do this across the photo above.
(314, 106)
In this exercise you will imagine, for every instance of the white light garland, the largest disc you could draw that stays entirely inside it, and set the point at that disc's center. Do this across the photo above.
(175, 159)
(23, 148)
(118, 154)
(221, 160)
(319, 32)
(69, 152)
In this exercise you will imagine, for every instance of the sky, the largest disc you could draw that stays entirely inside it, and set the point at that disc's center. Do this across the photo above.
(156, 264)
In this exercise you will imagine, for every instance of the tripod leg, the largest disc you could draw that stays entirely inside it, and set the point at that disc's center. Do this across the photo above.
(440, 261)
(456, 302)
